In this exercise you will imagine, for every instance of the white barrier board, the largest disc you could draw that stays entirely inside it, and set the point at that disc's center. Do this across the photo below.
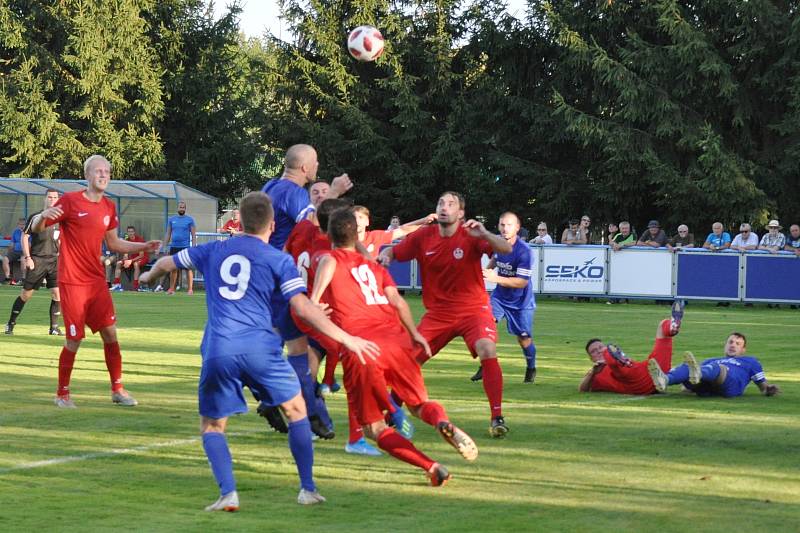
(640, 272)
(574, 270)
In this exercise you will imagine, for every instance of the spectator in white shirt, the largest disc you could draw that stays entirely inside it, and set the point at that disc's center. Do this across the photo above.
(746, 240)
(542, 237)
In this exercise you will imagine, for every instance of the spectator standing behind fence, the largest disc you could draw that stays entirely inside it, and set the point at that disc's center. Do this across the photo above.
(394, 223)
(683, 239)
(585, 230)
(746, 240)
(654, 236)
(612, 231)
(181, 233)
(234, 225)
(717, 239)
(624, 238)
(573, 234)
(793, 240)
(774, 240)
(542, 237)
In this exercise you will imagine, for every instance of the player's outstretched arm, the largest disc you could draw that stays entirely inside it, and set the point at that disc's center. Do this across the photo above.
(115, 244)
(586, 382)
(410, 227)
(406, 318)
(386, 256)
(39, 223)
(767, 389)
(163, 266)
(325, 270)
(497, 242)
(311, 313)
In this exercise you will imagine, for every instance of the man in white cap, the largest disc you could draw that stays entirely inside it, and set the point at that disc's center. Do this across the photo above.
(774, 241)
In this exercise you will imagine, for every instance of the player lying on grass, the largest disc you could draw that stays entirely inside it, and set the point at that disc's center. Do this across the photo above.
(720, 376)
(613, 371)
(364, 300)
(240, 346)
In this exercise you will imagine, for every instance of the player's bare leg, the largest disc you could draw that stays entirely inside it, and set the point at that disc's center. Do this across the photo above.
(401, 448)
(190, 281)
(486, 350)
(302, 449)
(113, 358)
(219, 458)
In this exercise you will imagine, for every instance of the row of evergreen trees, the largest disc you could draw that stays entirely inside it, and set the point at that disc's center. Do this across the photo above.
(684, 111)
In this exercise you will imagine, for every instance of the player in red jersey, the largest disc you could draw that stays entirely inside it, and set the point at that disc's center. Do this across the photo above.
(363, 297)
(373, 240)
(86, 218)
(454, 295)
(613, 371)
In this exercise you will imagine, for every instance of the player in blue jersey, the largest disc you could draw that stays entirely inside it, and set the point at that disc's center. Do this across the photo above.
(240, 347)
(721, 376)
(181, 233)
(292, 204)
(513, 297)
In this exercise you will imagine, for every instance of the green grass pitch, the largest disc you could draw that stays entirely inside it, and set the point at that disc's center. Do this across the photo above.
(572, 462)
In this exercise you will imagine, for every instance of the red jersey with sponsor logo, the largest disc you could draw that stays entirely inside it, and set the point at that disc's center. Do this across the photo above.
(452, 278)
(299, 244)
(83, 227)
(356, 296)
(373, 240)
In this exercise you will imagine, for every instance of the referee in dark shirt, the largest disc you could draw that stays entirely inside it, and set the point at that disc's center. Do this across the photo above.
(40, 262)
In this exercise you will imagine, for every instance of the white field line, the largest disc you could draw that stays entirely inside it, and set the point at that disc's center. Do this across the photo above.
(182, 442)
(111, 453)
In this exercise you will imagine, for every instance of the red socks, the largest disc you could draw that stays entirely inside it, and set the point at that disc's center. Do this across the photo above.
(669, 328)
(65, 362)
(331, 360)
(356, 431)
(136, 284)
(116, 281)
(493, 385)
(432, 413)
(398, 446)
(114, 365)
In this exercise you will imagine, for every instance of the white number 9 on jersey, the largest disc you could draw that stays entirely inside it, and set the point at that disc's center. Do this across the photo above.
(240, 280)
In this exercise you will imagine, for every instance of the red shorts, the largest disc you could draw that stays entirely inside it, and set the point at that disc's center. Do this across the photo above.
(439, 328)
(367, 384)
(634, 379)
(88, 305)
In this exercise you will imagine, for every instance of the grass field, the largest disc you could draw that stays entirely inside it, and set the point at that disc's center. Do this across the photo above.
(572, 462)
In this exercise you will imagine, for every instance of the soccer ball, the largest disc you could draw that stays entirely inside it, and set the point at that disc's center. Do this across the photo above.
(365, 43)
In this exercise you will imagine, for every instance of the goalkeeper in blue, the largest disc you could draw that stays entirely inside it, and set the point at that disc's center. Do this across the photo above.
(726, 376)
(513, 297)
(240, 347)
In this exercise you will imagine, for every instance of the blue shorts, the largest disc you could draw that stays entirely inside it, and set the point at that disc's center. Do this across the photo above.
(730, 388)
(519, 322)
(282, 320)
(268, 375)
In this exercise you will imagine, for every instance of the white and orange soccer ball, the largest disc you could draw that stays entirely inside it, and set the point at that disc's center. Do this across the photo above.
(365, 43)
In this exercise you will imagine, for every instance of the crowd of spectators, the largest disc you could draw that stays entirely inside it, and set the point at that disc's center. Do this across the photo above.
(622, 235)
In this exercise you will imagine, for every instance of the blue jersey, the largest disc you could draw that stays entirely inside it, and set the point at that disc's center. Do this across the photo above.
(16, 238)
(181, 226)
(291, 204)
(516, 264)
(241, 274)
(741, 370)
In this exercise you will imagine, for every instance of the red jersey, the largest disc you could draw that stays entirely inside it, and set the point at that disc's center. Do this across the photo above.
(320, 247)
(452, 278)
(299, 244)
(83, 227)
(145, 257)
(356, 296)
(373, 240)
(232, 225)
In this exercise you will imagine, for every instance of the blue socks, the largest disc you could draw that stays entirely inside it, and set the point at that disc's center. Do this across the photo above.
(219, 457)
(530, 355)
(307, 384)
(303, 452)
